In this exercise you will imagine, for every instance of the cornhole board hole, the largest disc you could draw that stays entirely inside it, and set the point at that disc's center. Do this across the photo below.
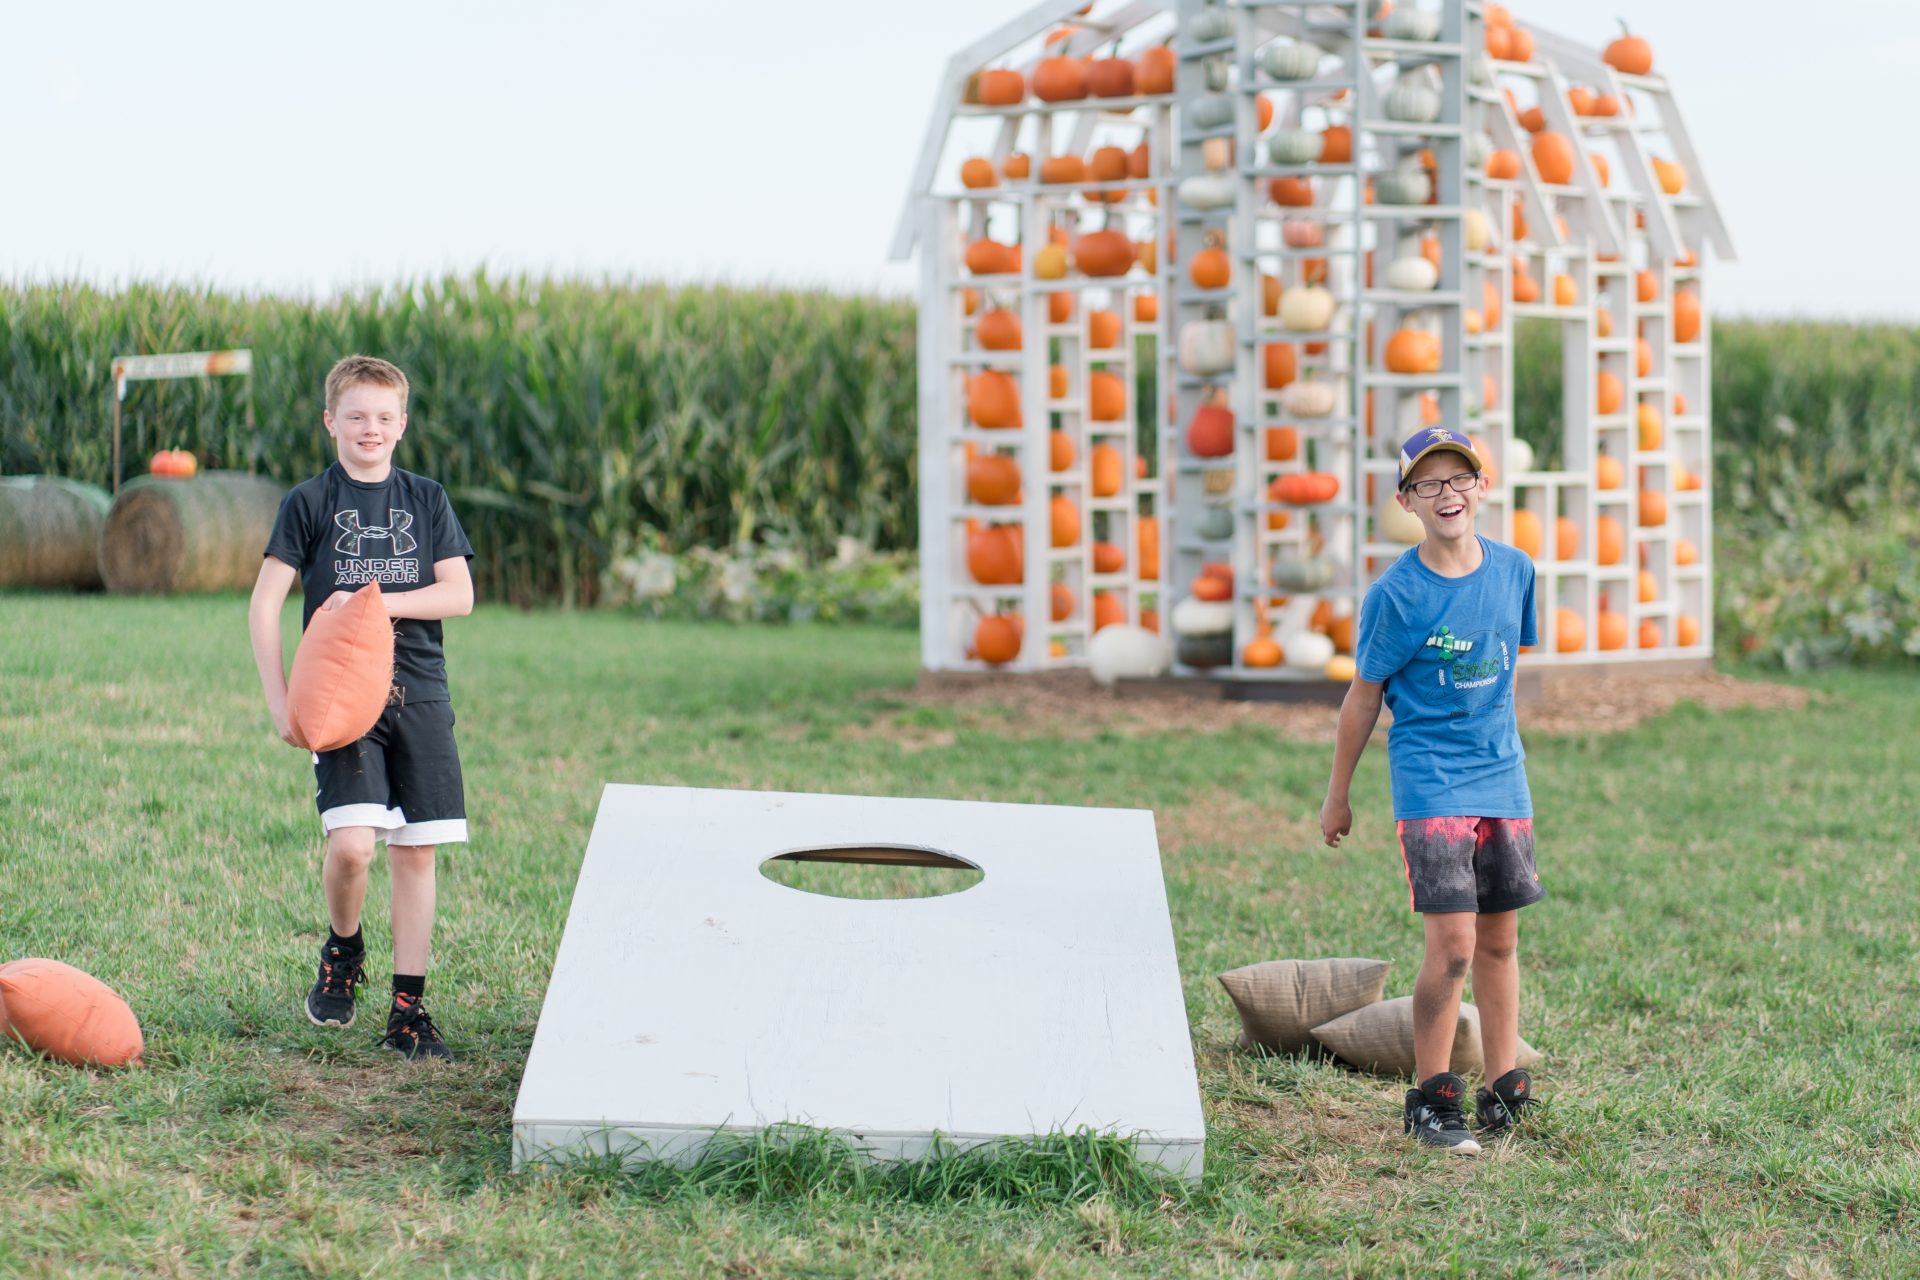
(694, 996)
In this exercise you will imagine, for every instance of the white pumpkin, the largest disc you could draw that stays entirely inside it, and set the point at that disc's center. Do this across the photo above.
(1207, 191)
(1307, 308)
(1291, 60)
(1121, 652)
(1402, 186)
(1412, 24)
(1519, 457)
(1413, 103)
(1218, 76)
(1479, 151)
(1480, 71)
(1400, 525)
(1479, 232)
(1412, 274)
(1295, 146)
(1308, 398)
(1206, 346)
(1212, 23)
(1193, 617)
(1306, 650)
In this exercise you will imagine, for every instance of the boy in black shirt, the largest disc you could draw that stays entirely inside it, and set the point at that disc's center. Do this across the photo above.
(363, 520)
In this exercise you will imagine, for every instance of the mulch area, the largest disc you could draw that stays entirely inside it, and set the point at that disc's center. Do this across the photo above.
(1070, 705)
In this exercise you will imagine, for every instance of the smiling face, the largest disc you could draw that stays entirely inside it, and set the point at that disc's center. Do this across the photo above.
(1448, 515)
(366, 424)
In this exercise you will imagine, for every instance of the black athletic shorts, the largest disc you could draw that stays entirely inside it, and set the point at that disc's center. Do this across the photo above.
(1470, 864)
(402, 779)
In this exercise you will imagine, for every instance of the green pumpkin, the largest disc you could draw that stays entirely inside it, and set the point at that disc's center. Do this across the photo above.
(1412, 24)
(1213, 111)
(1413, 104)
(1291, 60)
(1300, 577)
(1210, 24)
(1295, 146)
(1403, 186)
(1215, 524)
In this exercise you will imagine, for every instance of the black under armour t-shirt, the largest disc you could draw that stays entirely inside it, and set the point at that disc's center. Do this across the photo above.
(341, 534)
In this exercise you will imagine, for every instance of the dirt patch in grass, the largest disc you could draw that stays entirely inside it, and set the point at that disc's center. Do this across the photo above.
(1069, 705)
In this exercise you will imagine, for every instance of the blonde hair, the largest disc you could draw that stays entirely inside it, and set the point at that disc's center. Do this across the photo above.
(351, 371)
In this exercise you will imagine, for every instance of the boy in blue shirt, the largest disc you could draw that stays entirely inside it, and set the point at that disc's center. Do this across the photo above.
(1437, 639)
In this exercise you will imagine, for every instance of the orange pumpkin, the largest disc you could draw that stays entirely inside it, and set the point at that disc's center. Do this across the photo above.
(1519, 44)
(1283, 444)
(1413, 351)
(1063, 169)
(1059, 307)
(977, 172)
(993, 480)
(1207, 587)
(1057, 381)
(1503, 164)
(1566, 538)
(1610, 393)
(1646, 286)
(1060, 80)
(1646, 590)
(1527, 534)
(1336, 144)
(1146, 308)
(1649, 634)
(1104, 253)
(1106, 397)
(1565, 293)
(1210, 269)
(1018, 165)
(1149, 541)
(1305, 488)
(991, 258)
(1629, 53)
(1210, 434)
(1002, 88)
(1653, 508)
(1652, 430)
(1687, 631)
(1611, 539)
(1063, 521)
(993, 400)
(1153, 72)
(1109, 164)
(1292, 193)
(1525, 288)
(1107, 468)
(1108, 558)
(1684, 552)
(1108, 610)
(998, 330)
(1111, 78)
(1608, 473)
(1569, 631)
(996, 639)
(1280, 364)
(1103, 329)
(1612, 628)
(994, 555)
(1553, 157)
(1062, 602)
(1686, 315)
(1059, 450)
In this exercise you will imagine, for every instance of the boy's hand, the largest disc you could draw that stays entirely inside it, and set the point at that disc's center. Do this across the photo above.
(338, 600)
(1336, 819)
(283, 726)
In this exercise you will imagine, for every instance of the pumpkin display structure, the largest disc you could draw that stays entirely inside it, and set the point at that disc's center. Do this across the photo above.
(1267, 271)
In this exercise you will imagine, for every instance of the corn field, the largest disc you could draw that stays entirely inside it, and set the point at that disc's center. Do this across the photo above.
(571, 420)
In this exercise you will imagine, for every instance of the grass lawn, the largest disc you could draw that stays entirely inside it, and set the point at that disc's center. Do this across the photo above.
(1723, 979)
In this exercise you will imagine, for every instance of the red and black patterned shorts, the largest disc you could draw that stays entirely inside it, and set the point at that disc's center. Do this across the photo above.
(1470, 864)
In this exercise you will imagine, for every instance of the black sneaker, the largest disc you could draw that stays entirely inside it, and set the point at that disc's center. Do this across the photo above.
(1434, 1117)
(411, 1032)
(330, 1003)
(1505, 1103)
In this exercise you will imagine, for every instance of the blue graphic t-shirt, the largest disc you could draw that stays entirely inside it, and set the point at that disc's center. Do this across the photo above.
(1445, 650)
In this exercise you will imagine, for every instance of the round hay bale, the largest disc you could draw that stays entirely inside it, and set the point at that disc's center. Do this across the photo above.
(50, 532)
(206, 533)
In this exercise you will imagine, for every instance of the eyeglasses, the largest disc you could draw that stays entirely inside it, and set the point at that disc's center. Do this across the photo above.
(1461, 483)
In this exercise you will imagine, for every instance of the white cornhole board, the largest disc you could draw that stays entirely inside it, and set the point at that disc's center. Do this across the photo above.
(693, 995)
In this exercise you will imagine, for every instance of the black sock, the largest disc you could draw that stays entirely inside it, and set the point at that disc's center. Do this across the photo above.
(352, 946)
(409, 984)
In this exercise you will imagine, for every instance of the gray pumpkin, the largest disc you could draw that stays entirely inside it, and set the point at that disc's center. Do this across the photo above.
(1412, 24)
(1210, 24)
(1215, 524)
(1291, 60)
(1212, 111)
(1295, 576)
(1479, 149)
(1218, 74)
(1295, 146)
(1413, 104)
(1214, 650)
(1402, 186)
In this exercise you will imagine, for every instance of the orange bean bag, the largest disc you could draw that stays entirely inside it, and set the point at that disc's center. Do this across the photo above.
(342, 673)
(64, 1013)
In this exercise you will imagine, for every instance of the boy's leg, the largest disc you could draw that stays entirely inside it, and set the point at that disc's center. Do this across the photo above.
(1496, 989)
(1436, 992)
(413, 902)
(344, 876)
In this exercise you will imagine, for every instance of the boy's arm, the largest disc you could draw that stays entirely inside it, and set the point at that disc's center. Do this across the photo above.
(1359, 712)
(263, 625)
(450, 596)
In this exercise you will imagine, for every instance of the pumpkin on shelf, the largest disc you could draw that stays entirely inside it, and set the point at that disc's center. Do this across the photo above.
(1280, 365)
(1210, 268)
(1108, 558)
(1629, 53)
(1611, 541)
(1650, 634)
(1413, 351)
(1412, 101)
(1282, 444)
(1106, 396)
(1263, 650)
(1608, 473)
(1291, 193)
(1687, 631)
(1104, 253)
(1653, 508)
(1207, 346)
(1103, 329)
(1527, 534)
(1646, 589)
(991, 258)
(1569, 631)
(1611, 628)
(994, 554)
(1553, 157)
(1652, 430)
(993, 480)
(1207, 191)
(1565, 292)
(1059, 449)
(1307, 308)
(1111, 78)
(996, 638)
(1060, 79)
(1306, 488)
(1294, 146)
(1307, 650)
(1061, 601)
(1301, 576)
(998, 330)
(1210, 433)
(1412, 274)
(1153, 72)
(1503, 164)
(1215, 523)
(1107, 470)
(1686, 315)
(1308, 398)
(1566, 539)
(1146, 308)
(1291, 60)
(1062, 170)
(1336, 144)
(1063, 520)
(1002, 88)
(1212, 588)
(977, 172)
(1147, 539)
(1302, 233)
(1673, 177)
(993, 400)
(1609, 393)
(1051, 264)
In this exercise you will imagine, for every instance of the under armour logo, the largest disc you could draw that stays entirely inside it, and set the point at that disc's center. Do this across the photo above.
(352, 535)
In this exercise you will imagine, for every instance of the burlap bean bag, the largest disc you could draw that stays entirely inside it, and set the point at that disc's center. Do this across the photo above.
(342, 673)
(1282, 1001)
(1379, 1038)
(67, 1014)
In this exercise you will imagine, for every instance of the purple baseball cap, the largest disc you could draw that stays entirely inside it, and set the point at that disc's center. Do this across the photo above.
(1426, 440)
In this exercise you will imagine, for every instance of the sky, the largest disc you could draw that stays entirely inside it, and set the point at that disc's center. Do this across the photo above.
(306, 149)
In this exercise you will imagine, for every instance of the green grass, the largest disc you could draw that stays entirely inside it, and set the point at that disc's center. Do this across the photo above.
(1722, 980)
